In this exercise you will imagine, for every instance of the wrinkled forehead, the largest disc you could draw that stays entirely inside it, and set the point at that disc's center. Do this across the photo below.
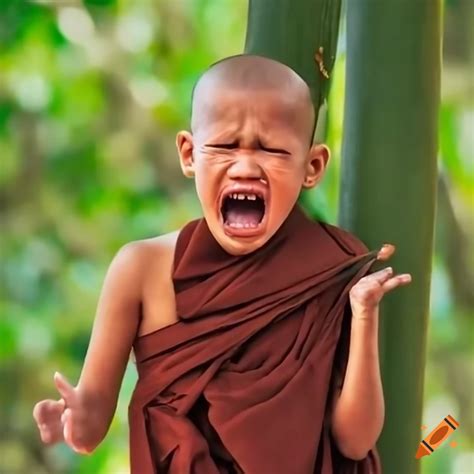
(279, 110)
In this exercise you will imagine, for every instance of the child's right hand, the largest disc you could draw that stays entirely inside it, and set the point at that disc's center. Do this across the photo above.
(65, 419)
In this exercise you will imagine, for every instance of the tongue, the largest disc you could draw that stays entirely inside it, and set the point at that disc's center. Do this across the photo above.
(241, 216)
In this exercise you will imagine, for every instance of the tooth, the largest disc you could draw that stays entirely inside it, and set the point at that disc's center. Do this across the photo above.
(241, 196)
(252, 197)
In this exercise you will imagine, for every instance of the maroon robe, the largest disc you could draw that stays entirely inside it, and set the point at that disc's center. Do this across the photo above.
(241, 382)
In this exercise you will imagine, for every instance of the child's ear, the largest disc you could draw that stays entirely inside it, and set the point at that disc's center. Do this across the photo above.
(185, 145)
(317, 160)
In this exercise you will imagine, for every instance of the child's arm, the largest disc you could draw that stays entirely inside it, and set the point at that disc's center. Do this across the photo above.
(83, 415)
(358, 412)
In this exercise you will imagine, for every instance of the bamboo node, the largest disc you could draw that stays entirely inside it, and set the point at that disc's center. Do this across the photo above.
(319, 59)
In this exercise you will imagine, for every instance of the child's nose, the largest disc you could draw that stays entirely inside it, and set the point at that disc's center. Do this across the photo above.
(245, 166)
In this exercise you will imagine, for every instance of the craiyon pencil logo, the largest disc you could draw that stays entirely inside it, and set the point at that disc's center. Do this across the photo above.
(442, 431)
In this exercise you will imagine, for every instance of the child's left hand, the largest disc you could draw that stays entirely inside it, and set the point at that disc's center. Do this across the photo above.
(366, 294)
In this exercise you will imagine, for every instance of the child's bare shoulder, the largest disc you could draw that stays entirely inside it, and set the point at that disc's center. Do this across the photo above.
(154, 259)
(144, 268)
(158, 246)
(150, 253)
(163, 243)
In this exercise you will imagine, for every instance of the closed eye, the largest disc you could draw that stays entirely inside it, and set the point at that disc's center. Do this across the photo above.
(275, 150)
(225, 146)
(232, 146)
(272, 150)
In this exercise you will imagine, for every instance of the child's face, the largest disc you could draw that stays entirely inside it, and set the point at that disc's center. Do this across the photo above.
(253, 143)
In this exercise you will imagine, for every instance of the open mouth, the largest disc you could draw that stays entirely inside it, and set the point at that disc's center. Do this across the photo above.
(243, 210)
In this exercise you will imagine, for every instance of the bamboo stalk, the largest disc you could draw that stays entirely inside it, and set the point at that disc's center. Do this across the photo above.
(292, 32)
(388, 188)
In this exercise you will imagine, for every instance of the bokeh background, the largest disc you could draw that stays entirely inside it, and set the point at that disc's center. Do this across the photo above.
(92, 94)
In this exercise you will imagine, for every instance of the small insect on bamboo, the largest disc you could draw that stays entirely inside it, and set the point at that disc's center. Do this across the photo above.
(319, 59)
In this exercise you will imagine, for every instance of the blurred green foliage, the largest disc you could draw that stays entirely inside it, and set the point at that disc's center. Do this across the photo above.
(91, 96)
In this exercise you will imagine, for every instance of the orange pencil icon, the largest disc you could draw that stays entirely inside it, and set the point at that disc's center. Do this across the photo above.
(437, 436)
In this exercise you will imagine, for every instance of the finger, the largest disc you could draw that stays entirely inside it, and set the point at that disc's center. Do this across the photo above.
(46, 410)
(47, 416)
(396, 281)
(46, 436)
(66, 419)
(64, 388)
(39, 411)
(386, 252)
(67, 433)
(51, 434)
(381, 276)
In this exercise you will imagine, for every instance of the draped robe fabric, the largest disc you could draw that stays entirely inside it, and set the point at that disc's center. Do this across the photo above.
(242, 381)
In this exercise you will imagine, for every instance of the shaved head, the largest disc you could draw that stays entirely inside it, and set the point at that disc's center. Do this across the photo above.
(252, 130)
(254, 73)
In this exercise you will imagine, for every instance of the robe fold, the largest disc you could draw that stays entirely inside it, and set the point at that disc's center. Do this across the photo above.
(241, 383)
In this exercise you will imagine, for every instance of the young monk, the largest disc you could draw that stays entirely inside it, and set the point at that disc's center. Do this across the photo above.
(254, 328)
